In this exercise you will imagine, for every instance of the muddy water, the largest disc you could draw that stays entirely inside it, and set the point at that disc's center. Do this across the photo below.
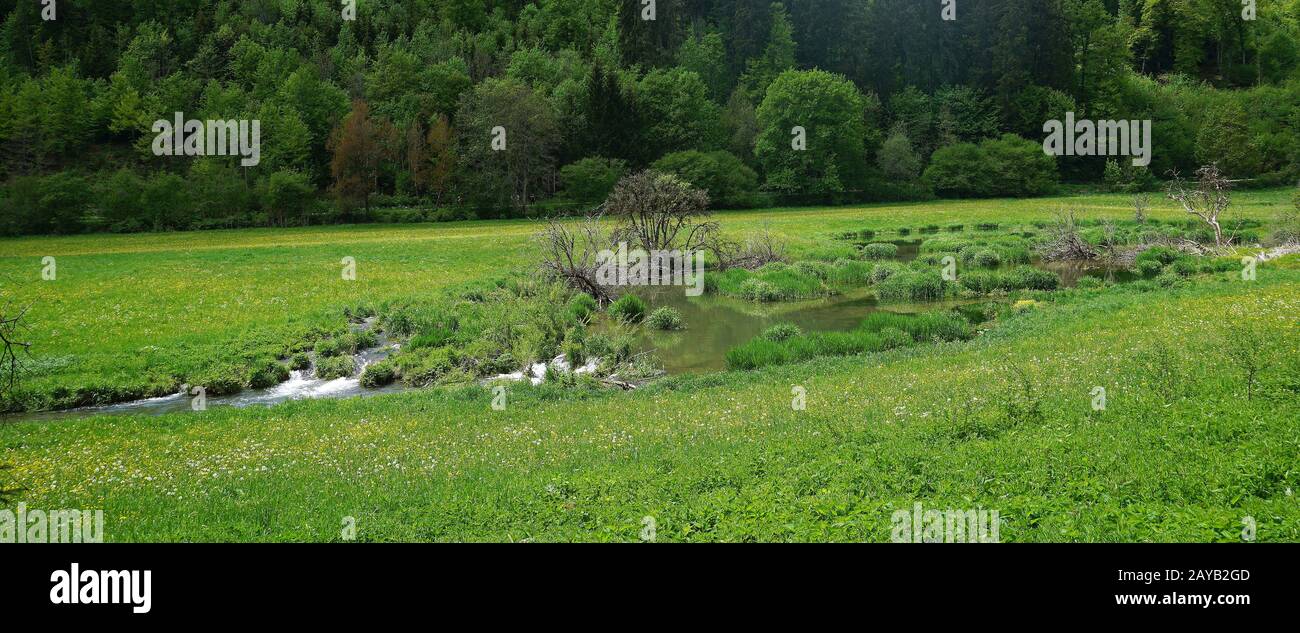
(1071, 271)
(715, 324)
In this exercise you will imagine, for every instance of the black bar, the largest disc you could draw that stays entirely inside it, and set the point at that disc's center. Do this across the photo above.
(936, 582)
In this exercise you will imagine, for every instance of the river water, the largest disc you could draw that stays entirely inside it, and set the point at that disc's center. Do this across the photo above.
(713, 325)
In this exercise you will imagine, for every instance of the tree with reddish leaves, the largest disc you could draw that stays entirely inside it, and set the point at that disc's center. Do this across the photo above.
(442, 155)
(359, 145)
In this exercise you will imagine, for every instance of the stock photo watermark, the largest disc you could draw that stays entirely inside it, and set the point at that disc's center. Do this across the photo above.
(1099, 138)
(637, 267)
(24, 525)
(920, 525)
(181, 137)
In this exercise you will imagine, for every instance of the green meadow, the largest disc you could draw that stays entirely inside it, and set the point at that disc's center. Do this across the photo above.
(138, 315)
(1199, 429)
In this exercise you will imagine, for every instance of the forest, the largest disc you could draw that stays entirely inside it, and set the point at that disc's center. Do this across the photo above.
(391, 110)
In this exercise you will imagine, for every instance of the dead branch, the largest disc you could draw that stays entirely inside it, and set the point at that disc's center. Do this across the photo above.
(1206, 199)
(569, 254)
(1064, 242)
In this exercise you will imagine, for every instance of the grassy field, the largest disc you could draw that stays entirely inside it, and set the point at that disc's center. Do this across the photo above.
(1002, 422)
(137, 315)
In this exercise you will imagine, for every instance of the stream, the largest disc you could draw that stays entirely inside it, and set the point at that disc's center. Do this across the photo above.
(713, 325)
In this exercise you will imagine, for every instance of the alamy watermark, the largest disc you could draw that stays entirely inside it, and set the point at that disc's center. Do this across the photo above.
(209, 138)
(918, 525)
(52, 526)
(93, 586)
(636, 267)
(1099, 138)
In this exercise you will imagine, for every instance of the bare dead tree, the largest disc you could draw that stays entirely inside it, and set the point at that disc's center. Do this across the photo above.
(10, 345)
(1207, 198)
(658, 212)
(10, 366)
(759, 248)
(1141, 203)
(1064, 242)
(569, 253)
(5, 493)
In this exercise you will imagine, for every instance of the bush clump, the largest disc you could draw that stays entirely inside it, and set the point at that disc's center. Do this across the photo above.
(378, 374)
(267, 373)
(880, 250)
(1149, 268)
(981, 258)
(332, 367)
(581, 307)
(628, 309)
(884, 271)
(927, 326)
(755, 289)
(328, 347)
(665, 318)
(1020, 278)
(911, 286)
(300, 361)
(781, 332)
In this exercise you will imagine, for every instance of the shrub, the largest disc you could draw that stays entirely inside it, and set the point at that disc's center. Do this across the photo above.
(1288, 225)
(820, 270)
(1161, 254)
(880, 251)
(334, 367)
(731, 184)
(1030, 278)
(574, 347)
(328, 347)
(896, 157)
(591, 179)
(52, 204)
(581, 307)
(755, 289)
(1149, 268)
(425, 366)
(884, 271)
(1186, 267)
(378, 374)
(267, 373)
(981, 258)
(911, 286)
(665, 318)
(781, 332)
(286, 197)
(628, 309)
(927, 326)
(300, 361)
(598, 345)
